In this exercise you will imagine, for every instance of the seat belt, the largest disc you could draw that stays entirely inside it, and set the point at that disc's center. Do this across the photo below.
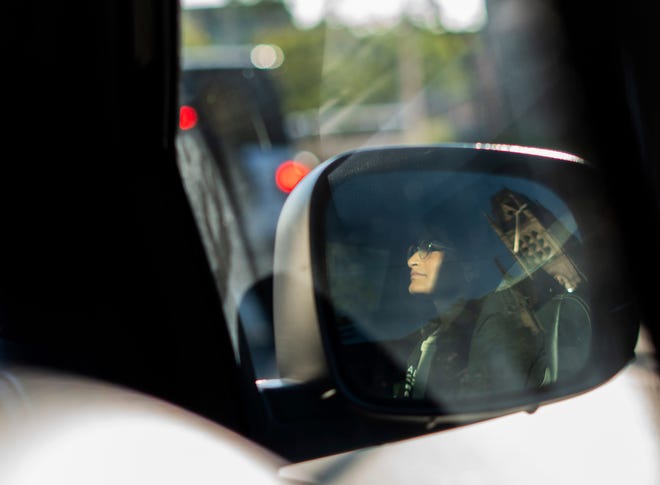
(421, 376)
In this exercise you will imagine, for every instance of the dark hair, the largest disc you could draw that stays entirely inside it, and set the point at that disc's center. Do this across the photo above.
(458, 222)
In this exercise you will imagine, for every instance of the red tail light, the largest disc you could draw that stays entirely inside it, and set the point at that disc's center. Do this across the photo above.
(288, 174)
(187, 117)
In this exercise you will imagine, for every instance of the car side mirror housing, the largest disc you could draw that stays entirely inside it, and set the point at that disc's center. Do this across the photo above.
(452, 280)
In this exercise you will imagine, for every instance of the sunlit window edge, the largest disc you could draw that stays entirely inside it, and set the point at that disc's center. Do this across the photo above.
(543, 152)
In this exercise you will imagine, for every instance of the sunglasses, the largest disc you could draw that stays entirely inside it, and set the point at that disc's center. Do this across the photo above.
(424, 248)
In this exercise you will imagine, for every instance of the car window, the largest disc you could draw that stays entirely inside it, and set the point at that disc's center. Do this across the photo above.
(276, 83)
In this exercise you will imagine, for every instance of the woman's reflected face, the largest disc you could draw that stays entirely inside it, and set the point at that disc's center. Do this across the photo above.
(424, 261)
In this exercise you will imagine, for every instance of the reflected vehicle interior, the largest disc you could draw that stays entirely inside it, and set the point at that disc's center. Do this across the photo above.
(453, 281)
(510, 247)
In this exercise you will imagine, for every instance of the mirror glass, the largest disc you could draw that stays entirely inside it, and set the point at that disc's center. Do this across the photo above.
(453, 287)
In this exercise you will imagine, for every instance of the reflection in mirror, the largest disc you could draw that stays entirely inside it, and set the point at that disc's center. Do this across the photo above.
(453, 287)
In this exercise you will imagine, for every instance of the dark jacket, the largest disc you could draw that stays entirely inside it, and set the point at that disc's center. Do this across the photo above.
(494, 346)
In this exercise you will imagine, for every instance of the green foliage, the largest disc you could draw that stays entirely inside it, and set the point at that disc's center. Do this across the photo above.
(299, 78)
(360, 70)
(331, 69)
(334, 66)
(192, 33)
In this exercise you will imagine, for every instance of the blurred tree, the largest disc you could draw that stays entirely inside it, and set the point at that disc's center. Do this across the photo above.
(300, 76)
(428, 73)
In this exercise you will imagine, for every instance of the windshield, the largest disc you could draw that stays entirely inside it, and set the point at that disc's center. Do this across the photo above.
(280, 86)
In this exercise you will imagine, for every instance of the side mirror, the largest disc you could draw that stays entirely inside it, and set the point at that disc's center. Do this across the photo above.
(454, 280)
